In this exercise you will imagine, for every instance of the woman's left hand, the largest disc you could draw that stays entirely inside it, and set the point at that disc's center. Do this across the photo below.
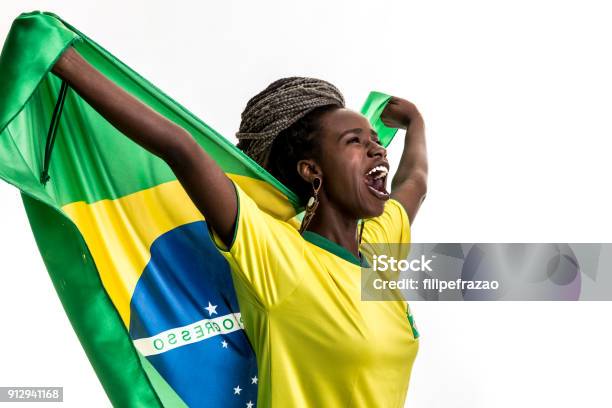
(399, 113)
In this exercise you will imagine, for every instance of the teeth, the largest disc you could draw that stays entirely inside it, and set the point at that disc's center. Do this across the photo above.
(383, 171)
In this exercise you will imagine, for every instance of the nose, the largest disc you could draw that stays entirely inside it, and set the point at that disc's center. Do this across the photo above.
(374, 149)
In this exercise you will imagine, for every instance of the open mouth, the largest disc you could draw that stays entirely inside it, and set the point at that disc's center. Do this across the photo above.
(376, 180)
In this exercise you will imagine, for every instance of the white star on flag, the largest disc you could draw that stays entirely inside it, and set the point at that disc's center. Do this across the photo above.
(254, 380)
(237, 390)
(212, 309)
(224, 344)
(249, 404)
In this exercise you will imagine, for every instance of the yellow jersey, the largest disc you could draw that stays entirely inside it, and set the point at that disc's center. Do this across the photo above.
(316, 343)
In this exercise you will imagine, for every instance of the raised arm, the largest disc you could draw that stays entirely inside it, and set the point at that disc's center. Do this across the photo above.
(206, 184)
(409, 185)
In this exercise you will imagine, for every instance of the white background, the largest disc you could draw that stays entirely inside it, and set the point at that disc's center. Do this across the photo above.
(516, 99)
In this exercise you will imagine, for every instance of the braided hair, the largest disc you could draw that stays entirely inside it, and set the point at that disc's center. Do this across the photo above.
(281, 125)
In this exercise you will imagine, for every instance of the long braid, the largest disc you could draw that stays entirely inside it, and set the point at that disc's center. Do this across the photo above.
(282, 104)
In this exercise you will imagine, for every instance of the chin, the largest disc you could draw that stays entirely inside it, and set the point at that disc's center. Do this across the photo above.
(374, 210)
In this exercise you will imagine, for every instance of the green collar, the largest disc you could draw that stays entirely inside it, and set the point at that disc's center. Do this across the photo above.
(334, 248)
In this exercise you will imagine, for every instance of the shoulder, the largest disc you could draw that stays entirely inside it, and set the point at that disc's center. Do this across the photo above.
(397, 209)
(256, 226)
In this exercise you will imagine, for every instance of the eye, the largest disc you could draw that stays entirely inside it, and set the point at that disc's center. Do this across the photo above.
(353, 139)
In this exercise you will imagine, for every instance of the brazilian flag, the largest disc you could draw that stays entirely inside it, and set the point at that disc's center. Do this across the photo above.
(149, 296)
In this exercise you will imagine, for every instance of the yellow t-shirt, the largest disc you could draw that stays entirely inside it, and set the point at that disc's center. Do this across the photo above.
(316, 343)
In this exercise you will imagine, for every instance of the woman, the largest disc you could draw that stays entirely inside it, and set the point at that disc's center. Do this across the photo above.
(317, 344)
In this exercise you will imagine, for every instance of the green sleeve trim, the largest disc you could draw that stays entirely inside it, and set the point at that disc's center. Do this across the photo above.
(215, 237)
(415, 332)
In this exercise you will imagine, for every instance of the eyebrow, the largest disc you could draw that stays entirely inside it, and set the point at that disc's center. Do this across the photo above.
(357, 130)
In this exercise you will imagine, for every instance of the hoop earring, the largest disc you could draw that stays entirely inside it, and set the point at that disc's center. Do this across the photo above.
(311, 206)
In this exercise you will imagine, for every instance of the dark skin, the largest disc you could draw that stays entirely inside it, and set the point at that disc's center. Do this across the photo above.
(344, 195)
(350, 148)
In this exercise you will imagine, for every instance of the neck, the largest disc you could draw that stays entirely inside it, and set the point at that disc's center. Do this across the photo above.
(333, 224)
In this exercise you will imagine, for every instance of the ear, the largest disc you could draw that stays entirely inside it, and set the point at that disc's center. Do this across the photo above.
(308, 169)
